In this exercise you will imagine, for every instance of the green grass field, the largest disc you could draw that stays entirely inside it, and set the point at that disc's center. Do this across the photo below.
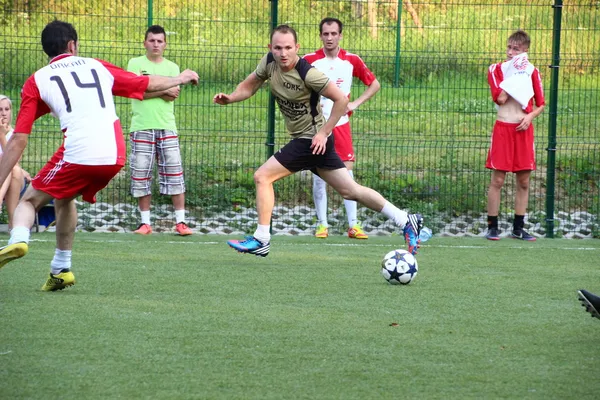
(164, 317)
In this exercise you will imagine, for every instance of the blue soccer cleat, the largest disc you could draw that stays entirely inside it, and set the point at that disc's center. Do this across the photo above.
(250, 245)
(411, 230)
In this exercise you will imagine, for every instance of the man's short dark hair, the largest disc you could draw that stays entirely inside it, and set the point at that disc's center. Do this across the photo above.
(328, 21)
(56, 36)
(520, 37)
(155, 29)
(285, 29)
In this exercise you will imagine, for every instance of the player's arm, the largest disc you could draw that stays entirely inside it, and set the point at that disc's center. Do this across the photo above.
(369, 92)
(340, 101)
(246, 89)
(158, 83)
(495, 77)
(167, 95)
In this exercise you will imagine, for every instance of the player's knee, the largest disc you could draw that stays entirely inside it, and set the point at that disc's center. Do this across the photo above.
(348, 193)
(497, 182)
(260, 178)
(523, 184)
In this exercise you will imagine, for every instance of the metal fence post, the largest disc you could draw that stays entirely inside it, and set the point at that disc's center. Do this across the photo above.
(150, 13)
(550, 174)
(271, 116)
(397, 58)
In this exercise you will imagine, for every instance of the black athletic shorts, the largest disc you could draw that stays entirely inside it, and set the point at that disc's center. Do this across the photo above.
(297, 156)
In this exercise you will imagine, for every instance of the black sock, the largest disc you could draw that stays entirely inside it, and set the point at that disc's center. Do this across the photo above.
(492, 222)
(519, 222)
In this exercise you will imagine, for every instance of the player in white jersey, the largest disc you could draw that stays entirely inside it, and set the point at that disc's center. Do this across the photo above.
(79, 92)
(340, 67)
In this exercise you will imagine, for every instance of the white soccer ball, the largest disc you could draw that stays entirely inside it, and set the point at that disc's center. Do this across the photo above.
(399, 267)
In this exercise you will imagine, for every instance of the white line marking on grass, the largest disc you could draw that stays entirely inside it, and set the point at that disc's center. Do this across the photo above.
(532, 247)
(5, 353)
(128, 241)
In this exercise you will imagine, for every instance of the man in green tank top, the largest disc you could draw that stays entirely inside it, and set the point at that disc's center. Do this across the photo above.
(297, 87)
(154, 136)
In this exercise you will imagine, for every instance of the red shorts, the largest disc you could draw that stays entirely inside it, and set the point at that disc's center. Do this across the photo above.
(63, 180)
(343, 142)
(511, 150)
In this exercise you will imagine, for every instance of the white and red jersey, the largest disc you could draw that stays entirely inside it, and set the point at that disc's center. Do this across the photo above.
(340, 70)
(79, 92)
(496, 76)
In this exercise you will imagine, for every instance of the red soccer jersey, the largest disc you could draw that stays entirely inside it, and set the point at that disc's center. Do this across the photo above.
(79, 92)
(340, 70)
(496, 76)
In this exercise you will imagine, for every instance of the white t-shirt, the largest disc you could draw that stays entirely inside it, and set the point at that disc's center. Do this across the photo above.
(340, 70)
(79, 92)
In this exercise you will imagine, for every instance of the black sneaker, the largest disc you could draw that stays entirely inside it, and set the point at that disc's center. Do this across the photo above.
(522, 235)
(590, 301)
(493, 234)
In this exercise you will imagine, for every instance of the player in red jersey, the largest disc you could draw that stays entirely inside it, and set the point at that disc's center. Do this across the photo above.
(514, 84)
(79, 92)
(340, 67)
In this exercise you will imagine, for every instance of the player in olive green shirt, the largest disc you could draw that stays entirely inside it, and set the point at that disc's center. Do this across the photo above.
(297, 87)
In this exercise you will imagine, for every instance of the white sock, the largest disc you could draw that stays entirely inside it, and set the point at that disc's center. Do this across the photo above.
(320, 198)
(263, 233)
(19, 234)
(145, 217)
(61, 260)
(179, 216)
(399, 216)
(351, 207)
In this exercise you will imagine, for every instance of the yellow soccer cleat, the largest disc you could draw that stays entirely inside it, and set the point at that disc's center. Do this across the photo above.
(59, 282)
(12, 252)
(356, 232)
(322, 232)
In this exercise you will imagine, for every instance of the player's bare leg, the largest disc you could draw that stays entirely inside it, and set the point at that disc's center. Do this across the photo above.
(355, 230)
(18, 243)
(342, 183)
(66, 222)
(493, 204)
(268, 173)
(11, 199)
(521, 199)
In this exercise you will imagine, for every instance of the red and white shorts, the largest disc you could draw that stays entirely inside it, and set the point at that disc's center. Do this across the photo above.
(343, 142)
(63, 180)
(511, 150)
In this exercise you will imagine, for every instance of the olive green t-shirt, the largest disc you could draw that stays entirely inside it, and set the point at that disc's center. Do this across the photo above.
(298, 94)
(153, 113)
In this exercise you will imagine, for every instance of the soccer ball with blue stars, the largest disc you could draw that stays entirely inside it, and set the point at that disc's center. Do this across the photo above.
(399, 267)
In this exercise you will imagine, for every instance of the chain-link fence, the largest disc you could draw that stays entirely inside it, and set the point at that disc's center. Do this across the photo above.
(421, 141)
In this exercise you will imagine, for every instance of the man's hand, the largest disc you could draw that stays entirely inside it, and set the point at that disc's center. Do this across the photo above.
(319, 143)
(171, 94)
(525, 123)
(189, 76)
(222, 99)
(351, 107)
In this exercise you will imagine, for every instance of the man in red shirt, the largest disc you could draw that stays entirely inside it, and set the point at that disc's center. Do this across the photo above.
(340, 67)
(514, 84)
(79, 92)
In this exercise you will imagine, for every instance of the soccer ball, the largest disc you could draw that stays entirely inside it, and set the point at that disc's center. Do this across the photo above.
(399, 267)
